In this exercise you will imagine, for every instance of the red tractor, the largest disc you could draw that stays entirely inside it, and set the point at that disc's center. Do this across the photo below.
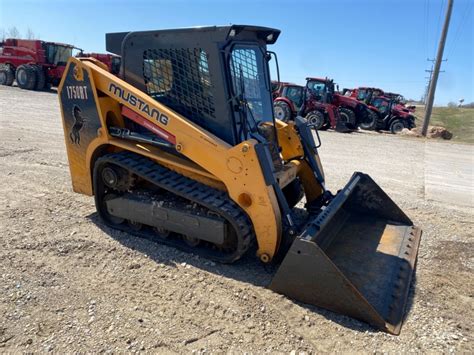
(287, 100)
(367, 93)
(392, 115)
(111, 60)
(354, 112)
(37, 65)
(290, 100)
(400, 99)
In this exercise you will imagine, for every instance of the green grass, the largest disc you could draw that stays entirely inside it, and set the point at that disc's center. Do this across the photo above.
(459, 121)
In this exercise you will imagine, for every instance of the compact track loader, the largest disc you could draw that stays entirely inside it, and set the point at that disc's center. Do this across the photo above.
(182, 147)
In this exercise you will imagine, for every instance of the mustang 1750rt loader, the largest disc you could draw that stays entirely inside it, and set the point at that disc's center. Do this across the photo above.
(183, 147)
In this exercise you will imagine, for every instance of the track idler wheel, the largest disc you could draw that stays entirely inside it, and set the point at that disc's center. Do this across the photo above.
(117, 178)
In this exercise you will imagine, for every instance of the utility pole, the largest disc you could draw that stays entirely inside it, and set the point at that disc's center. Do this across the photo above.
(434, 78)
(427, 88)
(428, 84)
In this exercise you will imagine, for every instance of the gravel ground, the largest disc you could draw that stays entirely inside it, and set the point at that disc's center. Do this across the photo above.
(70, 284)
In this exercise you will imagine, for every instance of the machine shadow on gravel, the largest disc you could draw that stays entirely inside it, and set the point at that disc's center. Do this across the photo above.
(247, 270)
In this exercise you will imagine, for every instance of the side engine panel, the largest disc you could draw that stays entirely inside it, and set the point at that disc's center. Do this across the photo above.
(81, 122)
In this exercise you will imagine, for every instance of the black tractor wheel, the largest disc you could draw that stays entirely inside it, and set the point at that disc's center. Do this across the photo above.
(282, 111)
(40, 78)
(26, 77)
(316, 119)
(348, 117)
(369, 121)
(6, 76)
(397, 126)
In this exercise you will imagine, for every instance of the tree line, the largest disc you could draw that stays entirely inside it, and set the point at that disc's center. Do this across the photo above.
(13, 32)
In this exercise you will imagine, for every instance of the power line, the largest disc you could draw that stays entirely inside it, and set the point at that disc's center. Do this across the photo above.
(458, 29)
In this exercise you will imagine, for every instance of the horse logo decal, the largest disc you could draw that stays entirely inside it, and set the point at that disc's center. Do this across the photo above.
(79, 122)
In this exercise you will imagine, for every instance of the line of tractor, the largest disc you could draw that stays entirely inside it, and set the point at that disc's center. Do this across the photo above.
(325, 107)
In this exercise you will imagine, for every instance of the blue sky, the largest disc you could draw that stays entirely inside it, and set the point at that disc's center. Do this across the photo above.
(364, 42)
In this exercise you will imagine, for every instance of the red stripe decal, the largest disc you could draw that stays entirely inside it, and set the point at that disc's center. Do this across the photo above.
(142, 121)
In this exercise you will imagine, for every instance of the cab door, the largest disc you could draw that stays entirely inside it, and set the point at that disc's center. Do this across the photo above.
(296, 95)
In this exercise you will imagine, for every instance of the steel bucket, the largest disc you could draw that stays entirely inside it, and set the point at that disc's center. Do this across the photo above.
(357, 257)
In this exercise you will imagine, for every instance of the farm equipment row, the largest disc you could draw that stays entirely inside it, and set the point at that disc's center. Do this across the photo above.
(324, 107)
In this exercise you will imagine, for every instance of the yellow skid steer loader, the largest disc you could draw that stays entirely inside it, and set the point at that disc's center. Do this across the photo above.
(182, 147)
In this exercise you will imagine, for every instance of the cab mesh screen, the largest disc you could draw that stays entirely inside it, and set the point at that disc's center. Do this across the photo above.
(244, 68)
(179, 78)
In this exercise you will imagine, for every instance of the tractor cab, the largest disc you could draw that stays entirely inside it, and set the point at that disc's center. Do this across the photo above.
(383, 105)
(295, 93)
(367, 94)
(321, 90)
(57, 54)
(399, 99)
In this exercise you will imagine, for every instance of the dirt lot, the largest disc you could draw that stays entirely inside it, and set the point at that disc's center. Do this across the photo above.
(70, 284)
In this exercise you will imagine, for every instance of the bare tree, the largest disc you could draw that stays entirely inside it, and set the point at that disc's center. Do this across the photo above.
(30, 34)
(3, 34)
(13, 32)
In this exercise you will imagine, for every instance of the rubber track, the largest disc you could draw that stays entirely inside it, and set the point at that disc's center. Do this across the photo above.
(213, 199)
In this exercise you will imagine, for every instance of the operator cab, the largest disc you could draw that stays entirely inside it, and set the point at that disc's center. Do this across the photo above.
(362, 94)
(321, 89)
(295, 94)
(57, 54)
(368, 95)
(217, 77)
(382, 104)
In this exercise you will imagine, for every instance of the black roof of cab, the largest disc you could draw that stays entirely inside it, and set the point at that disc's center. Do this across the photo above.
(268, 35)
